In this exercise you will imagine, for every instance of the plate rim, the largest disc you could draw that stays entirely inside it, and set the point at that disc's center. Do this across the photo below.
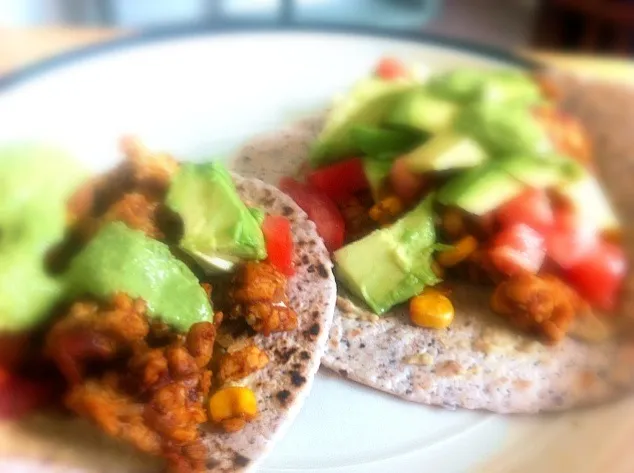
(155, 35)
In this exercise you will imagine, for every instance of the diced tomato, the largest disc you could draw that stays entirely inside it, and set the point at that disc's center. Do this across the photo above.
(598, 277)
(19, 396)
(339, 181)
(518, 248)
(532, 208)
(279, 243)
(406, 184)
(12, 348)
(570, 238)
(320, 209)
(390, 68)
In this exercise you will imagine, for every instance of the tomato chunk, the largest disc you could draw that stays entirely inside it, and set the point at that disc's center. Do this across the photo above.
(598, 277)
(518, 248)
(390, 68)
(20, 396)
(531, 208)
(279, 243)
(570, 238)
(320, 209)
(12, 348)
(339, 181)
(406, 184)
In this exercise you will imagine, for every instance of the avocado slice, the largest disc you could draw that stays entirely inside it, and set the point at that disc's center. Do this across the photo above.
(503, 86)
(36, 180)
(444, 152)
(219, 229)
(540, 172)
(119, 259)
(504, 129)
(368, 103)
(480, 190)
(420, 110)
(384, 143)
(376, 172)
(27, 293)
(400, 266)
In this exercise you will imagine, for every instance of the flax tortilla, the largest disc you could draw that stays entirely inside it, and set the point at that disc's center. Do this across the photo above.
(479, 362)
(69, 445)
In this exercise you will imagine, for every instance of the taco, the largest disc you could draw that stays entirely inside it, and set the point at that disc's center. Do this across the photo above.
(177, 308)
(480, 263)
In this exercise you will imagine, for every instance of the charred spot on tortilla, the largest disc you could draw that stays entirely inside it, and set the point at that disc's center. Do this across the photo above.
(315, 315)
(305, 259)
(287, 211)
(323, 272)
(285, 354)
(312, 332)
(304, 355)
(283, 396)
(297, 379)
(241, 460)
(311, 268)
(343, 373)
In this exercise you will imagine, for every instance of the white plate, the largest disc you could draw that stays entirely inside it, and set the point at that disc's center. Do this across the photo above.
(200, 95)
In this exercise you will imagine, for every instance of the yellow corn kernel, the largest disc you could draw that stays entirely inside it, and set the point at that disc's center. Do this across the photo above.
(460, 251)
(431, 309)
(453, 223)
(233, 402)
(386, 209)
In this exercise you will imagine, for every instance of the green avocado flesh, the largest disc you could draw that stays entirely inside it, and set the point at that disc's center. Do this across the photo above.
(119, 259)
(36, 181)
(217, 224)
(499, 86)
(447, 151)
(504, 129)
(400, 262)
(368, 103)
(420, 110)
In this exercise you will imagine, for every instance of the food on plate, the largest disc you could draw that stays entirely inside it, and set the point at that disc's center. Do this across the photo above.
(176, 307)
(469, 227)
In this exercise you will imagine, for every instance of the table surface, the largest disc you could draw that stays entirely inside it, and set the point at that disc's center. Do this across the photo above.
(24, 46)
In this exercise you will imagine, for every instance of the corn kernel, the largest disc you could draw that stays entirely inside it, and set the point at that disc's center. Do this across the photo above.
(386, 209)
(460, 251)
(230, 404)
(431, 309)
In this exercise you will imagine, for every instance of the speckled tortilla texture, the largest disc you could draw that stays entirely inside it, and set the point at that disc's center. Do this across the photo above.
(480, 363)
(57, 445)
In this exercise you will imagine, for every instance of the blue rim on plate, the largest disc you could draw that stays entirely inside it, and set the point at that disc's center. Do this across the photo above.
(193, 30)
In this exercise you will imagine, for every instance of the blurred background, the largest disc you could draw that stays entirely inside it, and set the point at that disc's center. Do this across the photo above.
(590, 26)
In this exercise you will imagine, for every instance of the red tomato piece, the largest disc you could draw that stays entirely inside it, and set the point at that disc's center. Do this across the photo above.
(406, 184)
(518, 248)
(12, 348)
(19, 396)
(279, 243)
(598, 277)
(320, 209)
(341, 180)
(390, 68)
(570, 238)
(531, 208)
